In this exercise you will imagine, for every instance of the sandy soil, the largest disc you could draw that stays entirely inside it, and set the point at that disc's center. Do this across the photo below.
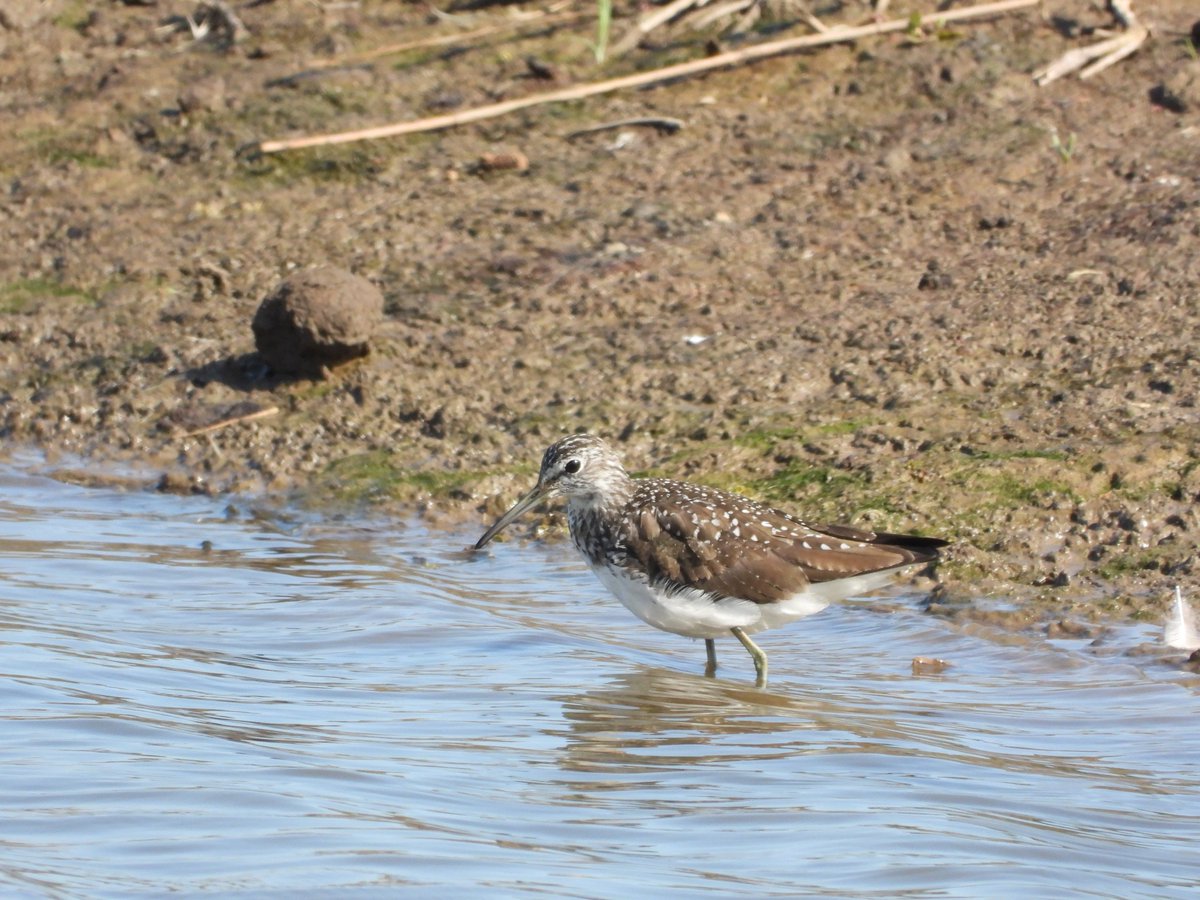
(892, 283)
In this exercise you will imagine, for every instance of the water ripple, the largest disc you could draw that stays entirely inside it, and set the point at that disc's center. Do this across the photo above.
(200, 699)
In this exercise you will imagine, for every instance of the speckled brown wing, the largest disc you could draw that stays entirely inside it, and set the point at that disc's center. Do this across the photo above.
(735, 547)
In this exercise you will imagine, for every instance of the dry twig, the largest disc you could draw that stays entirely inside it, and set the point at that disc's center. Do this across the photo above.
(649, 22)
(540, 20)
(663, 124)
(1105, 53)
(191, 422)
(640, 79)
(217, 17)
(678, 8)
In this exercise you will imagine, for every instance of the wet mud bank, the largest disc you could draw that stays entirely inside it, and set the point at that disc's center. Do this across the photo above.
(890, 283)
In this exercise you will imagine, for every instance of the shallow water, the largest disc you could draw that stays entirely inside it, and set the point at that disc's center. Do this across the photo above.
(195, 698)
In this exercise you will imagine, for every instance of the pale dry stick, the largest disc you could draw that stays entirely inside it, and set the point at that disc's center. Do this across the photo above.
(1133, 40)
(736, 6)
(719, 11)
(810, 19)
(232, 420)
(447, 17)
(793, 7)
(640, 79)
(443, 40)
(648, 23)
(1105, 53)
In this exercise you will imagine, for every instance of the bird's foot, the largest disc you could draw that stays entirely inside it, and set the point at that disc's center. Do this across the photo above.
(760, 658)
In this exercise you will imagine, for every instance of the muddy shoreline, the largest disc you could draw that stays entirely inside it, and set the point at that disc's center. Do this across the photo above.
(892, 283)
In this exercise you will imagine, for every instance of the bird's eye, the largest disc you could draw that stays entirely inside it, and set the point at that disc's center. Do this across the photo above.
(572, 466)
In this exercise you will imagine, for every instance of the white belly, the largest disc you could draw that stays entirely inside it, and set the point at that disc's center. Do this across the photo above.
(695, 614)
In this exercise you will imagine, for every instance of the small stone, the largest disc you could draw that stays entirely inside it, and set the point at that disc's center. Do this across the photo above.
(934, 279)
(898, 160)
(1181, 92)
(1066, 629)
(173, 483)
(539, 68)
(317, 318)
(204, 95)
(178, 483)
(25, 16)
(496, 162)
(435, 425)
(929, 665)
(993, 222)
(444, 100)
(1053, 579)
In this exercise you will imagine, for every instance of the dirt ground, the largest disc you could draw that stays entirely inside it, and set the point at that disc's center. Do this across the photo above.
(891, 282)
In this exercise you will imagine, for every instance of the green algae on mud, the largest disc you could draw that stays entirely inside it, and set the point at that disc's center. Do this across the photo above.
(29, 295)
(375, 478)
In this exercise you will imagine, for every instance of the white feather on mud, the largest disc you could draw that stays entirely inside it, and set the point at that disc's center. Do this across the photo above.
(1180, 631)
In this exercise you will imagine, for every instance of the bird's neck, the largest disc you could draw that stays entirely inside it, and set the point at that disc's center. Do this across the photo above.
(594, 519)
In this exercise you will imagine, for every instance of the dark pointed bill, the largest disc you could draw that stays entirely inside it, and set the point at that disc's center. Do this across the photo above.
(539, 493)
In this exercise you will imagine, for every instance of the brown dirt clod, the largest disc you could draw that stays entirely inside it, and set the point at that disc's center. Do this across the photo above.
(316, 318)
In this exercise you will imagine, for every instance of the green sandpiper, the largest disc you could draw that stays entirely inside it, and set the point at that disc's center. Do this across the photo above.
(702, 562)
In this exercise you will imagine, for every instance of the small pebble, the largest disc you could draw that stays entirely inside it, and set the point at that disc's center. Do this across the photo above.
(497, 162)
(929, 665)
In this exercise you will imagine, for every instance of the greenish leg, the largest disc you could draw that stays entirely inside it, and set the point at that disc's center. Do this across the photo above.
(760, 658)
(710, 647)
